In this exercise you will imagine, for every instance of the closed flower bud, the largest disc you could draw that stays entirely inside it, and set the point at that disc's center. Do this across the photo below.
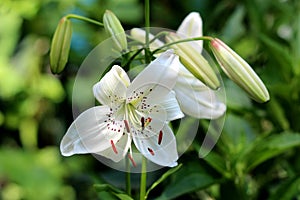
(194, 62)
(114, 28)
(238, 70)
(60, 46)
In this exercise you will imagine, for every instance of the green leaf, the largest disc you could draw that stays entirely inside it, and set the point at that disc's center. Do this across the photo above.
(234, 27)
(28, 133)
(278, 113)
(296, 42)
(122, 196)
(271, 147)
(189, 183)
(280, 53)
(237, 135)
(217, 162)
(289, 189)
(236, 98)
(112, 190)
(162, 178)
(191, 177)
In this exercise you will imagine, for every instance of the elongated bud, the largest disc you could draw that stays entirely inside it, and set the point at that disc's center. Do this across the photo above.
(60, 46)
(114, 28)
(194, 62)
(238, 70)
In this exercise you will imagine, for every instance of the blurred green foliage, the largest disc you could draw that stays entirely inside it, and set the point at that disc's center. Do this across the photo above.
(257, 154)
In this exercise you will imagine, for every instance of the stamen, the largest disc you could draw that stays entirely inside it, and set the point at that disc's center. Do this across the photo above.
(131, 159)
(147, 122)
(127, 126)
(113, 147)
(160, 137)
(151, 151)
(143, 123)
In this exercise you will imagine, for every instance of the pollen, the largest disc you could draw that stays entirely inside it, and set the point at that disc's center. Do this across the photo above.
(147, 121)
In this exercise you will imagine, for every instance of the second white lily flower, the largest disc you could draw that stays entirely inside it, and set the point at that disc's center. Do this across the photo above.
(194, 97)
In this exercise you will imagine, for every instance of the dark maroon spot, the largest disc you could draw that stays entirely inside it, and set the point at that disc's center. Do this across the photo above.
(151, 151)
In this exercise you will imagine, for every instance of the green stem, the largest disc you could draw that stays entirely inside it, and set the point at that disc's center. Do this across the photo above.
(133, 57)
(147, 28)
(69, 16)
(143, 179)
(128, 180)
(157, 36)
(208, 38)
(148, 60)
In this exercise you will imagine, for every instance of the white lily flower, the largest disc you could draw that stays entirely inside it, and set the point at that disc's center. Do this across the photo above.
(194, 97)
(139, 110)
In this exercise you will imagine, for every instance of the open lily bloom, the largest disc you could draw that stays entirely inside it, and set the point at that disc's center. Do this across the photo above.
(139, 110)
(194, 97)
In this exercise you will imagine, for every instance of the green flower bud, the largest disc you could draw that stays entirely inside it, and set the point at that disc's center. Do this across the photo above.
(238, 70)
(114, 28)
(194, 62)
(60, 46)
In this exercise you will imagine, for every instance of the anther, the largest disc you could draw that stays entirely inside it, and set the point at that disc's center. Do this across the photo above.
(131, 159)
(113, 146)
(143, 123)
(127, 126)
(151, 151)
(160, 135)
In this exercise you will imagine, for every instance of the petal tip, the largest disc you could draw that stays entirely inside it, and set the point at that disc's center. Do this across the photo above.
(173, 164)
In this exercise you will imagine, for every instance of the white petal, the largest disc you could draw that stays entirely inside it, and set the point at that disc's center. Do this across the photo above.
(111, 89)
(156, 80)
(120, 151)
(160, 148)
(171, 106)
(140, 35)
(191, 27)
(91, 132)
(195, 98)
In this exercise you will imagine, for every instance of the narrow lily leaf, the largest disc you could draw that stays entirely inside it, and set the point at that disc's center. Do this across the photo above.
(122, 196)
(296, 44)
(189, 183)
(278, 114)
(280, 53)
(217, 162)
(112, 190)
(189, 178)
(270, 147)
(162, 178)
(289, 189)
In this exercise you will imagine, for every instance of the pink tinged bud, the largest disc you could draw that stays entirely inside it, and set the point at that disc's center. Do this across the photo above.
(238, 70)
(194, 62)
(114, 28)
(60, 46)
